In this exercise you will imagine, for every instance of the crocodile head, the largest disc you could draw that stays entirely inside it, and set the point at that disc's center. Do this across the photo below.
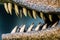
(48, 10)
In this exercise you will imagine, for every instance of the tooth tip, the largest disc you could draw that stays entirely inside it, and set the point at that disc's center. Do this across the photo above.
(50, 18)
(6, 7)
(22, 29)
(14, 30)
(42, 16)
(30, 28)
(34, 14)
(37, 28)
(29, 14)
(44, 27)
(10, 8)
(25, 11)
(16, 10)
(54, 25)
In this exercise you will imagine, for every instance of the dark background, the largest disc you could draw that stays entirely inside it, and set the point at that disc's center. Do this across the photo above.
(8, 22)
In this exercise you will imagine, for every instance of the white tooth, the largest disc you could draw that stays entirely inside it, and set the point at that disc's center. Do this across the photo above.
(30, 28)
(29, 13)
(42, 15)
(22, 28)
(14, 30)
(18, 30)
(44, 27)
(16, 9)
(21, 13)
(54, 25)
(50, 17)
(6, 7)
(34, 14)
(25, 11)
(10, 8)
(37, 28)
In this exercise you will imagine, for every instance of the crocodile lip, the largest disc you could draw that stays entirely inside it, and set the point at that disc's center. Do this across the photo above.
(41, 5)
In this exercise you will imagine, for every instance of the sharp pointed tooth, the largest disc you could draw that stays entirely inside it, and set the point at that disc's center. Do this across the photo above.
(54, 25)
(50, 17)
(22, 28)
(34, 14)
(19, 28)
(44, 27)
(30, 28)
(6, 7)
(38, 26)
(42, 15)
(16, 9)
(14, 30)
(25, 11)
(10, 8)
(29, 13)
(21, 13)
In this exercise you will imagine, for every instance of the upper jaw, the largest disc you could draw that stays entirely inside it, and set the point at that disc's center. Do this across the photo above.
(38, 5)
(35, 8)
(45, 6)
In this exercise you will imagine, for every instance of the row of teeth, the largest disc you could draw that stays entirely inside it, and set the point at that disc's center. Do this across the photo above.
(22, 28)
(8, 7)
(20, 11)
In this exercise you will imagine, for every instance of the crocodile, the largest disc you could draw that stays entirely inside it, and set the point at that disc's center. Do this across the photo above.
(48, 10)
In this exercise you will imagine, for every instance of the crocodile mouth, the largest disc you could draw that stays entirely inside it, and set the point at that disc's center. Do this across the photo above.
(51, 17)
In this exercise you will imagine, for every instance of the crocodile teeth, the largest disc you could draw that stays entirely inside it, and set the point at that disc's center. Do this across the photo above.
(30, 28)
(50, 17)
(34, 14)
(22, 28)
(44, 27)
(18, 30)
(14, 30)
(54, 25)
(42, 15)
(38, 26)
(24, 11)
(6, 7)
(21, 13)
(10, 8)
(16, 9)
(29, 13)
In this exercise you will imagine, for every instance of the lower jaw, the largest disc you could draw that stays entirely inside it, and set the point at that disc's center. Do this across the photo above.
(47, 34)
(52, 33)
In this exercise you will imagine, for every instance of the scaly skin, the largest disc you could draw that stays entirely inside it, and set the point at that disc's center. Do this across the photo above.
(45, 6)
(51, 34)
(41, 5)
(38, 5)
